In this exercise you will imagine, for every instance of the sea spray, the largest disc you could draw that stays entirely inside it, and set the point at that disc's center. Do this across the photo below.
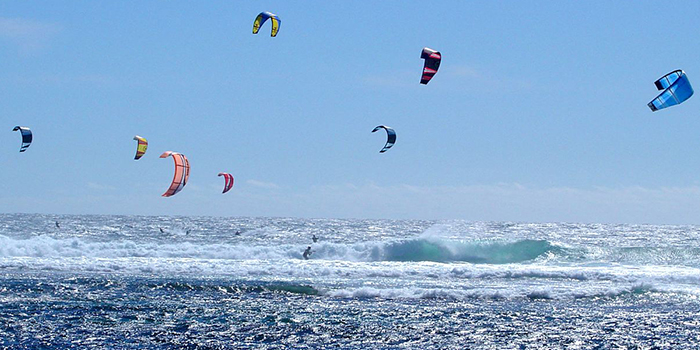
(420, 249)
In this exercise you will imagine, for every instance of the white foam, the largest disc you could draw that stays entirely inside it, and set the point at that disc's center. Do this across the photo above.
(398, 250)
(369, 269)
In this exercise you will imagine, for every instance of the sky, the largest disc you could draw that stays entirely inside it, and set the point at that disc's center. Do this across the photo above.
(538, 112)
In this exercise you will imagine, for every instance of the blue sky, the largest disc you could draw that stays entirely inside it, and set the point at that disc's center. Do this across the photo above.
(538, 112)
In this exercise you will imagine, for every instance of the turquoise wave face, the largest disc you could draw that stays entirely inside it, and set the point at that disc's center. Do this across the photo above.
(477, 253)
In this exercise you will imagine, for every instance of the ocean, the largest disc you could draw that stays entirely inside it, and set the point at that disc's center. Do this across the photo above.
(159, 282)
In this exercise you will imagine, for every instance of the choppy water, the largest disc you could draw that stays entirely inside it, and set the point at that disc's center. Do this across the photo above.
(119, 282)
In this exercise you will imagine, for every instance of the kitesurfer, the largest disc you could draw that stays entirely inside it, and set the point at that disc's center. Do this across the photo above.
(314, 238)
(238, 233)
(161, 230)
(57, 225)
(307, 253)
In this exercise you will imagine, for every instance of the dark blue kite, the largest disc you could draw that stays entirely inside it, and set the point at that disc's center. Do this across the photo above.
(26, 137)
(390, 137)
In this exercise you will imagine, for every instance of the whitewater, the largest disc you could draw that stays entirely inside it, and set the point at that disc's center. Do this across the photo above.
(206, 282)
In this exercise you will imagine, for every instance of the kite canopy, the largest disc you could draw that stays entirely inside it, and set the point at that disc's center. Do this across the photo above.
(229, 181)
(26, 137)
(390, 137)
(260, 20)
(432, 63)
(182, 172)
(676, 89)
(140, 147)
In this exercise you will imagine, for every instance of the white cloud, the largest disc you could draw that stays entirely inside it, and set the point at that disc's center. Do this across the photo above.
(485, 79)
(494, 202)
(395, 80)
(28, 35)
(468, 78)
(96, 186)
(262, 184)
(504, 202)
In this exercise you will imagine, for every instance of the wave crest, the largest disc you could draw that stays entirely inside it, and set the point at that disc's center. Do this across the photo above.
(413, 250)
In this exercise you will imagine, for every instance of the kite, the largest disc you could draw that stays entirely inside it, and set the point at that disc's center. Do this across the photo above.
(26, 137)
(676, 89)
(260, 20)
(229, 181)
(390, 137)
(182, 172)
(141, 147)
(432, 63)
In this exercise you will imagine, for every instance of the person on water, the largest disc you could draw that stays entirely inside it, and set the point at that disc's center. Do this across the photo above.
(307, 253)
(314, 238)
(161, 230)
(57, 225)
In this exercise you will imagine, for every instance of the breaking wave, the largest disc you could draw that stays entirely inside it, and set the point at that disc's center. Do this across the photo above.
(478, 253)
(413, 250)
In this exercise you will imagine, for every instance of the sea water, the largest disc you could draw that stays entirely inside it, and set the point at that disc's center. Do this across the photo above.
(136, 282)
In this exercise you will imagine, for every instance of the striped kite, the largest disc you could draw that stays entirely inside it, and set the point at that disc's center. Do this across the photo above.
(390, 137)
(432, 63)
(141, 147)
(260, 20)
(26, 137)
(228, 178)
(182, 172)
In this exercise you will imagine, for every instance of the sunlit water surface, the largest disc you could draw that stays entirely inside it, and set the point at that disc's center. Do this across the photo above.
(179, 282)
